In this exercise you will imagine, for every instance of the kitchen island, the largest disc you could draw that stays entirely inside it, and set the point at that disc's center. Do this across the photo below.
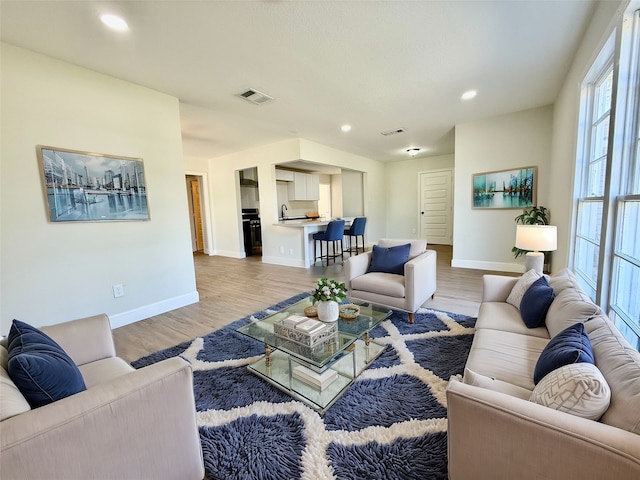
(305, 228)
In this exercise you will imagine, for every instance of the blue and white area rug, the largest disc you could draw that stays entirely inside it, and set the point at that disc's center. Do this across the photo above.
(390, 424)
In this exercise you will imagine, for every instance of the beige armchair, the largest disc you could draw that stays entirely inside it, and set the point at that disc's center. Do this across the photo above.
(127, 423)
(404, 292)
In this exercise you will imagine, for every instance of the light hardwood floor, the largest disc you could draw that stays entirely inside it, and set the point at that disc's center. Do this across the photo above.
(232, 288)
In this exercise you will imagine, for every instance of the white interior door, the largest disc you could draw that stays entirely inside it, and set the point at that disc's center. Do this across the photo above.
(436, 207)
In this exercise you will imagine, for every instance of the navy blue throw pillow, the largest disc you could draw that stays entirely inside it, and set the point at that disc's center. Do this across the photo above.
(389, 259)
(572, 345)
(40, 368)
(536, 302)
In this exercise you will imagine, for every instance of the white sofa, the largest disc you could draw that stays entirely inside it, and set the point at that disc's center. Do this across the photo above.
(404, 292)
(496, 432)
(127, 423)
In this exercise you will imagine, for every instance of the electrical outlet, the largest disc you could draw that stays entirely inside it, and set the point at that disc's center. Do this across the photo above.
(118, 290)
(413, 230)
(281, 248)
(291, 251)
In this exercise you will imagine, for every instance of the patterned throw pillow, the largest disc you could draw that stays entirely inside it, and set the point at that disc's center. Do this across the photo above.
(521, 286)
(579, 389)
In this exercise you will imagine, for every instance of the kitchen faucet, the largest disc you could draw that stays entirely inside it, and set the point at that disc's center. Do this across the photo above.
(282, 210)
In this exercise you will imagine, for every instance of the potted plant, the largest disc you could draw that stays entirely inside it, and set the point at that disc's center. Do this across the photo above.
(327, 294)
(533, 216)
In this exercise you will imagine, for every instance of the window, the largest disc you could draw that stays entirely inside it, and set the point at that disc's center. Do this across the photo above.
(606, 249)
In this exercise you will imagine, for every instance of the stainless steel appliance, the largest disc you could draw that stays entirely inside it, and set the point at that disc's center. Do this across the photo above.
(251, 231)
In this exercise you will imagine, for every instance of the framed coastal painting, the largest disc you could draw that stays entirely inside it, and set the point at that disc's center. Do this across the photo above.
(92, 187)
(505, 188)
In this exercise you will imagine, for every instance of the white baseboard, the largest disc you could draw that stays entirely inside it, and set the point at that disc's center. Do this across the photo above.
(146, 311)
(287, 262)
(493, 266)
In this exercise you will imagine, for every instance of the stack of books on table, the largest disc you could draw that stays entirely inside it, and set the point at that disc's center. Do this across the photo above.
(316, 380)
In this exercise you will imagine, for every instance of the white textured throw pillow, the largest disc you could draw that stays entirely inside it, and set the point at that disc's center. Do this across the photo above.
(579, 389)
(521, 286)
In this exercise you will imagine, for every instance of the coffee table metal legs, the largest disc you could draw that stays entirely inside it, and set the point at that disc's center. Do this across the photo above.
(267, 359)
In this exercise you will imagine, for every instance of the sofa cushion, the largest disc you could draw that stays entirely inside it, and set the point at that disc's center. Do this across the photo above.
(535, 303)
(12, 402)
(579, 389)
(571, 305)
(521, 286)
(104, 370)
(387, 284)
(506, 356)
(506, 317)
(482, 381)
(39, 367)
(569, 346)
(389, 259)
(619, 362)
(418, 247)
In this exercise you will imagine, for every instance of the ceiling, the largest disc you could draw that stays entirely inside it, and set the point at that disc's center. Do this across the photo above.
(376, 65)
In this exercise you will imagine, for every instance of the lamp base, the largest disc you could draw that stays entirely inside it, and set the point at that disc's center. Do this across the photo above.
(535, 261)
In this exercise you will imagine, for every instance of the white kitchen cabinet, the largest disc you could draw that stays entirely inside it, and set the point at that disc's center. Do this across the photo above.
(305, 186)
(313, 187)
(284, 175)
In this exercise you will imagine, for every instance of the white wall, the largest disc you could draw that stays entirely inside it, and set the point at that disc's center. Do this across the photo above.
(566, 110)
(403, 213)
(352, 194)
(53, 272)
(483, 238)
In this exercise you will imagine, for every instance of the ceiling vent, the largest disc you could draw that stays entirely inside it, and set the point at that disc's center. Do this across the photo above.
(256, 97)
(395, 131)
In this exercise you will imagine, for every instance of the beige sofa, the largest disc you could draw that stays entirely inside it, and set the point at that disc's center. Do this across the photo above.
(127, 424)
(496, 432)
(404, 292)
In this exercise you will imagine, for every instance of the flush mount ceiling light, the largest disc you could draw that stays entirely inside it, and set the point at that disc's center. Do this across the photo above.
(413, 151)
(345, 128)
(114, 22)
(469, 94)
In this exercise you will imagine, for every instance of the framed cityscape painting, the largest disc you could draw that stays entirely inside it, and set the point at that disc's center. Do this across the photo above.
(91, 187)
(505, 188)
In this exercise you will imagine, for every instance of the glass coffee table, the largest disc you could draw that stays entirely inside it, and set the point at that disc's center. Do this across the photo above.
(316, 374)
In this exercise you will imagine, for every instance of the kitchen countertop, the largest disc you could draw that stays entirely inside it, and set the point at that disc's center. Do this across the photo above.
(307, 222)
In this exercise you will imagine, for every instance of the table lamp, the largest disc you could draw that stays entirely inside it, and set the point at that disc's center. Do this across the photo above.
(537, 239)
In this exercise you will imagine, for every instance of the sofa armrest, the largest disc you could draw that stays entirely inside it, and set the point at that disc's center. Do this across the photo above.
(138, 425)
(492, 435)
(356, 266)
(496, 288)
(85, 340)
(420, 278)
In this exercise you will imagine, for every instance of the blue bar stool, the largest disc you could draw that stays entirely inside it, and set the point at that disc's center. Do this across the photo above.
(356, 230)
(334, 233)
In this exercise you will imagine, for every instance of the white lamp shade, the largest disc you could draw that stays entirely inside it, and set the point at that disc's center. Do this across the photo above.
(537, 238)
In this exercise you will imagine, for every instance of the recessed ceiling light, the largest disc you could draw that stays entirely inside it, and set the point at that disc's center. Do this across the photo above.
(413, 151)
(345, 128)
(114, 22)
(469, 94)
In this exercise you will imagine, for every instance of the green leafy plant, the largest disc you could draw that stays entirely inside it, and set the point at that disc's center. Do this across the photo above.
(326, 290)
(534, 216)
